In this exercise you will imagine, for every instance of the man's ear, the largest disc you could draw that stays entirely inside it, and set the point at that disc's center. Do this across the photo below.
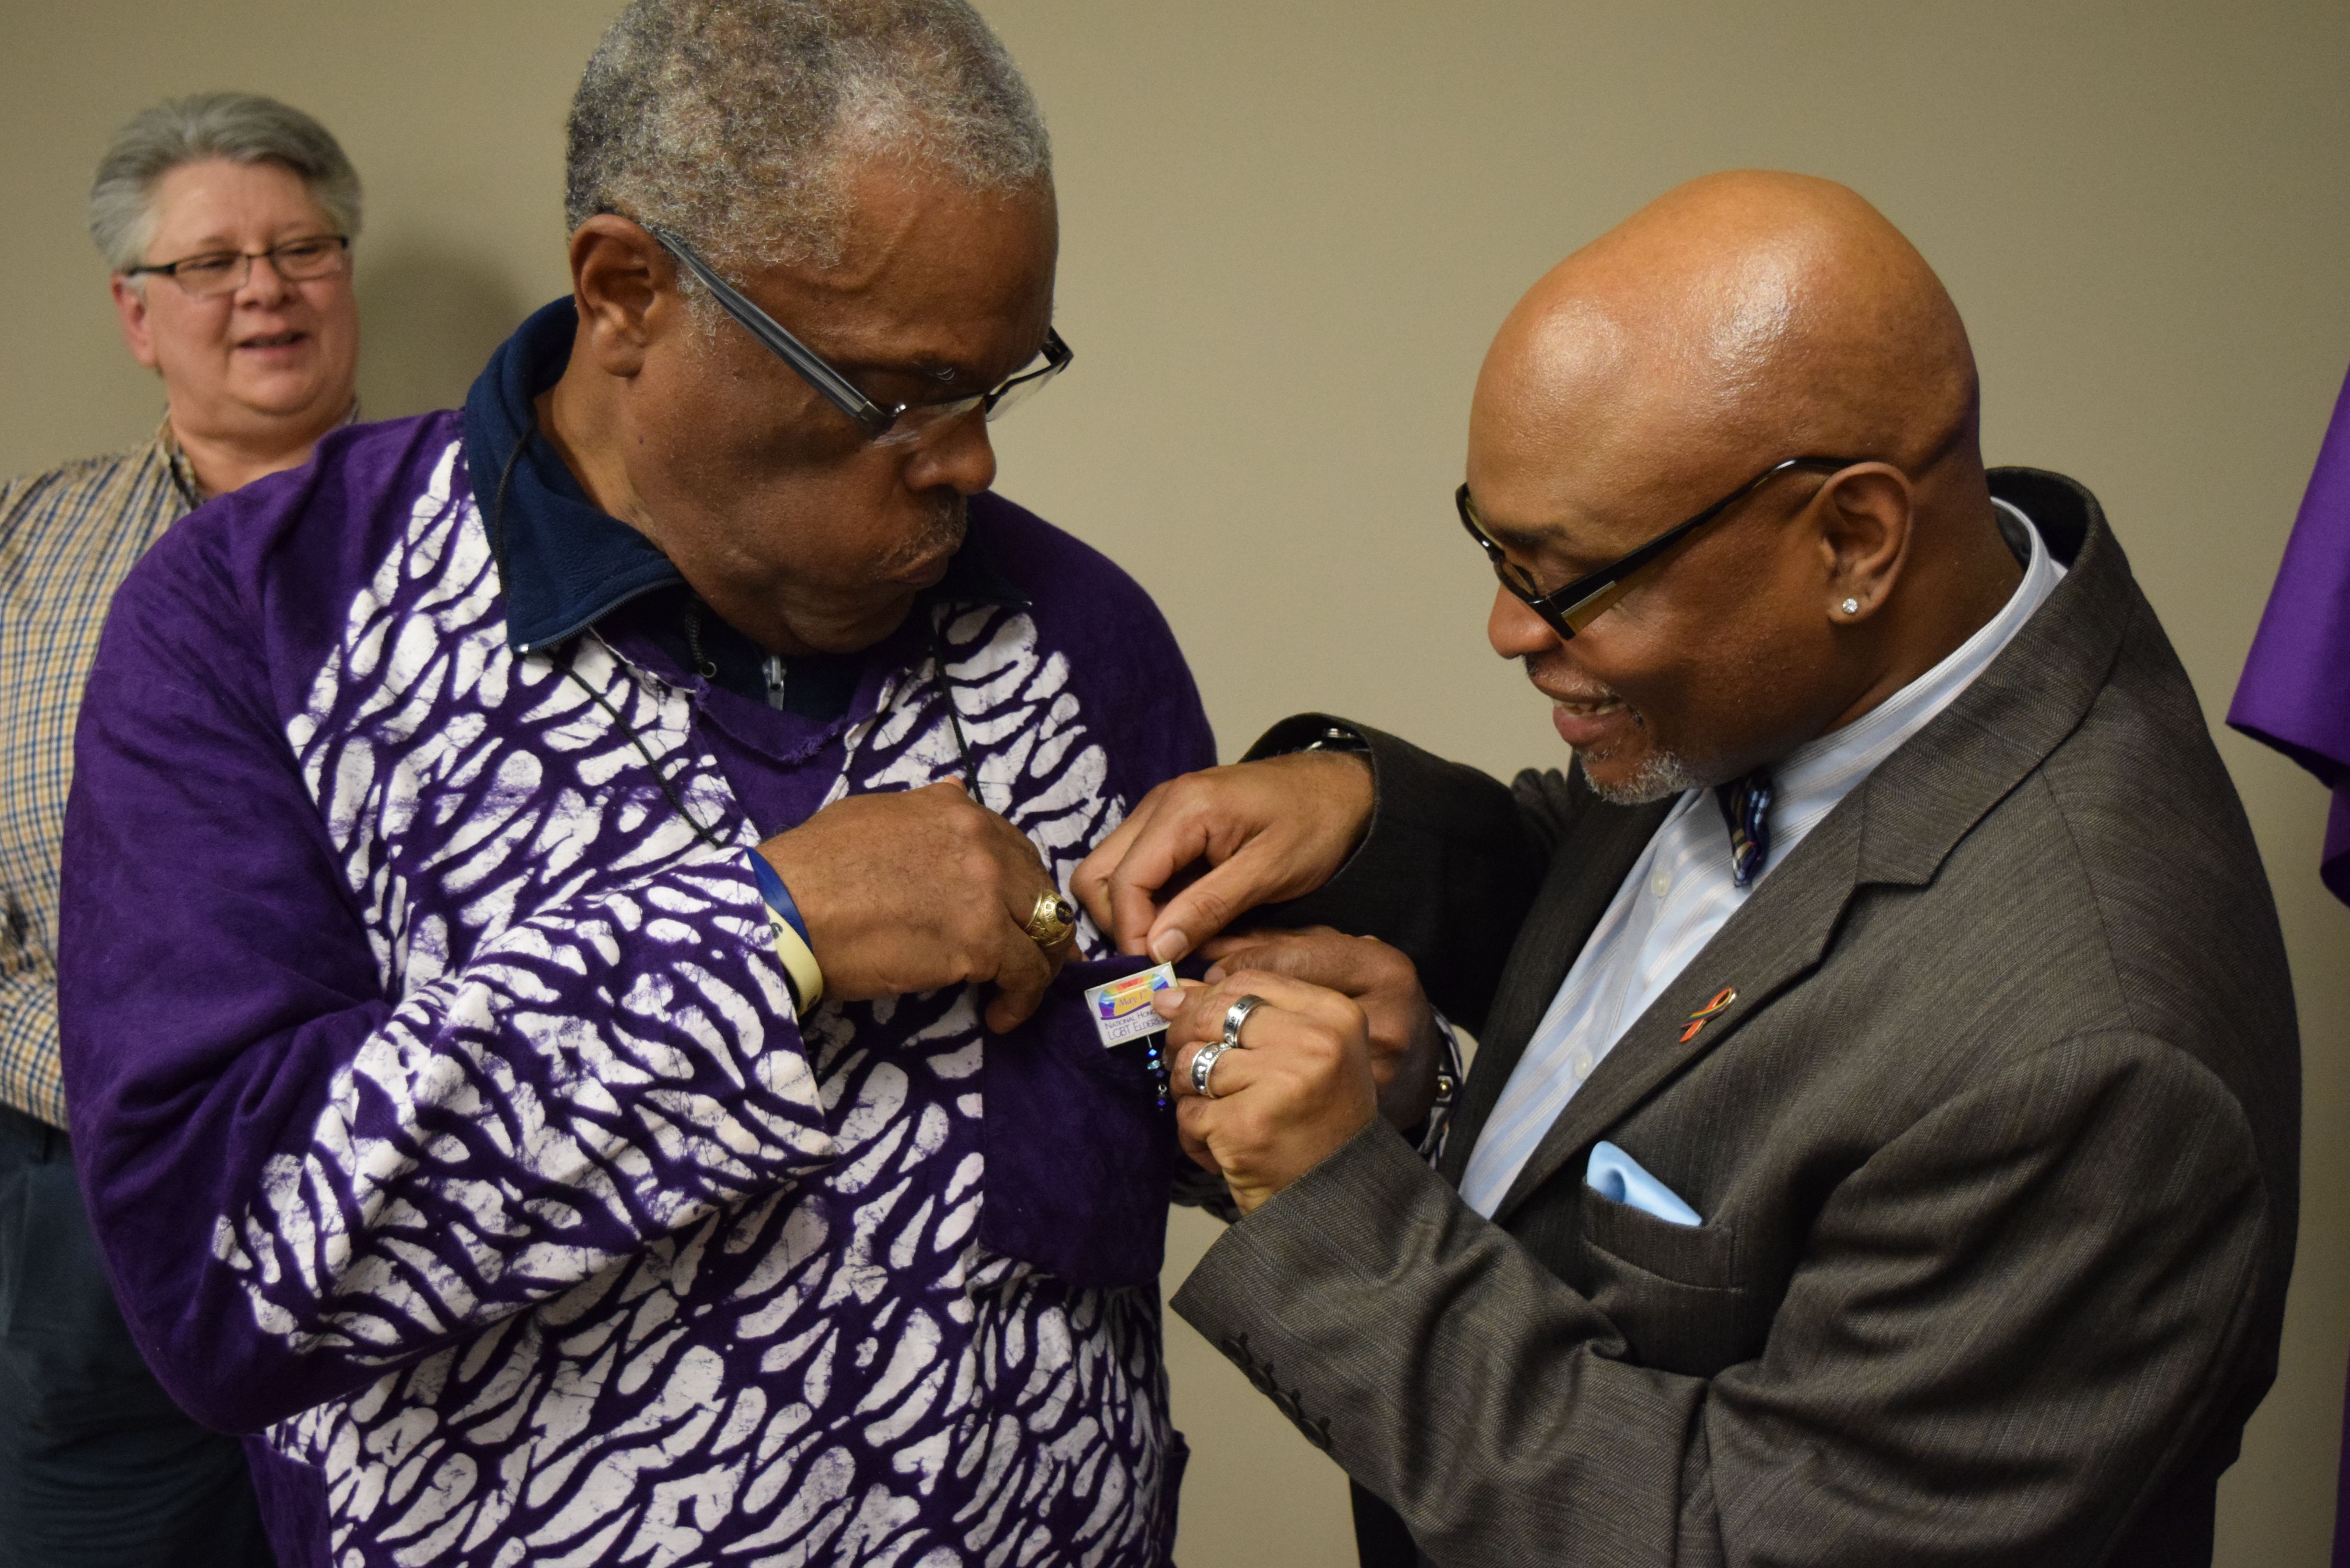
(625, 286)
(131, 313)
(1866, 518)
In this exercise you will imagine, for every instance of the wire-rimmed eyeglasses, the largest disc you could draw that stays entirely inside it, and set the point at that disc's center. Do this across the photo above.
(214, 273)
(1567, 610)
(900, 422)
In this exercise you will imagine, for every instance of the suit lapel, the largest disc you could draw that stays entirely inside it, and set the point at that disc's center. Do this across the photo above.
(1777, 936)
(1584, 874)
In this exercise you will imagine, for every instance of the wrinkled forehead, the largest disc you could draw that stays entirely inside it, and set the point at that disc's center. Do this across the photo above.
(924, 254)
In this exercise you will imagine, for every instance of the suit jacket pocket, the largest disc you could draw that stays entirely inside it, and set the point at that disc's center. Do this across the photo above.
(1704, 1256)
(1673, 1292)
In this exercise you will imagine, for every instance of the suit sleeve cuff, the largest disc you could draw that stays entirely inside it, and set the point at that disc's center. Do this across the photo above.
(1329, 1236)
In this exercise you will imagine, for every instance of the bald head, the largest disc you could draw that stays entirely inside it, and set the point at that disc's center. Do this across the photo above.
(1738, 321)
(1739, 318)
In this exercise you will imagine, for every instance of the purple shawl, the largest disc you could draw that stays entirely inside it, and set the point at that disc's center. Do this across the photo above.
(2296, 690)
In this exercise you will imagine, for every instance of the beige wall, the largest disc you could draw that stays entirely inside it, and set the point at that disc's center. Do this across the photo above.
(1290, 230)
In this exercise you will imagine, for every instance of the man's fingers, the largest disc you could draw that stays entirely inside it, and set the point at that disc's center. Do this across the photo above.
(1117, 882)
(1316, 954)
(1193, 1141)
(1198, 1014)
(1192, 1118)
(1234, 1071)
(1237, 949)
(1220, 895)
(1269, 829)
(1022, 969)
(1170, 841)
(1090, 884)
(1021, 975)
(1226, 943)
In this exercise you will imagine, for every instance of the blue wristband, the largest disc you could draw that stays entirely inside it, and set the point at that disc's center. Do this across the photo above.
(778, 897)
(802, 974)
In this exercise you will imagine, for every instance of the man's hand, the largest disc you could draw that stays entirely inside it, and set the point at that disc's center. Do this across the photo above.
(1268, 830)
(1299, 1088)
(917, 890)
(1405, 1049)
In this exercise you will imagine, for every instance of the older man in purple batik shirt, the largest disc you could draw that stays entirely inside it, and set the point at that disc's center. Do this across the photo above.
(449, 1116)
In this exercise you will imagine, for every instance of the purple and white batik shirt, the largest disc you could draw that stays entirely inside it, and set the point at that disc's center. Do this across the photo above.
(443, 1109)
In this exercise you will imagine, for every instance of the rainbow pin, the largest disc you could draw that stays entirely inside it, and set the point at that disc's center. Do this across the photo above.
(1704, 1015)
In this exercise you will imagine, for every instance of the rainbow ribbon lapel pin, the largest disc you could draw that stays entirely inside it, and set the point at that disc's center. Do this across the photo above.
(1705, 1015)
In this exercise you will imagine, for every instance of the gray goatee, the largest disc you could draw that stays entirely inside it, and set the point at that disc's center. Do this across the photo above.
(1662, 774)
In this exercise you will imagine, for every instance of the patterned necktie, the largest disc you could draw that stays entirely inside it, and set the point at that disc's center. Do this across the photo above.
(1746, 811)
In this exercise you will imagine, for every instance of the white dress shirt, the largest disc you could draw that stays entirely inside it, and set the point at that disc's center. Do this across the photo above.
(1680, 891)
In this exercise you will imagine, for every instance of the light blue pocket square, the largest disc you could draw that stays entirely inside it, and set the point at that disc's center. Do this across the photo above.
(1617, 1177)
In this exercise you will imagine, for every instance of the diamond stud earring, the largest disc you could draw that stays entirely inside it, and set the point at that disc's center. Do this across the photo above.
(1852, 606)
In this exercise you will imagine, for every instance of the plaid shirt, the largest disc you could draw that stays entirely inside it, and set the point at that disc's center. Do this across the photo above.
(66, 538)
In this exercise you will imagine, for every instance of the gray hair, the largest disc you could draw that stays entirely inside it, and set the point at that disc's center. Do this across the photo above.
(731, 121)
(241, 126)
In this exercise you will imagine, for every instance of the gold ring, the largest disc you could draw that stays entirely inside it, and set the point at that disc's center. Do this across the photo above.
(1052, 921)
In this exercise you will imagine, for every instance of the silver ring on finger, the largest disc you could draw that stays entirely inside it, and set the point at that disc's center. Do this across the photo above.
(1203, 1066)
(1237, 1014)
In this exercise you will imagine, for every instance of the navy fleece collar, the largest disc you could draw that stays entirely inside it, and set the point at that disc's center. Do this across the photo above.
(565, 565)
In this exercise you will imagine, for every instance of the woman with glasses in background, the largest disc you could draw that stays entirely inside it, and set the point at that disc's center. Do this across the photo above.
(226, 219)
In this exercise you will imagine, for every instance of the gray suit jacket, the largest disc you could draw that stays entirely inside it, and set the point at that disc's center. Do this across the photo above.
(1996, 1152)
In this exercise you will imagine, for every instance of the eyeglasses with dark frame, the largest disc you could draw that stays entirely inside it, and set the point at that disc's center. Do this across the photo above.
(216, 273)
(899, 424)
(1567, 610)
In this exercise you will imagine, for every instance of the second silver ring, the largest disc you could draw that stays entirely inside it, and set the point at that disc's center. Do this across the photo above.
(1203, 1065)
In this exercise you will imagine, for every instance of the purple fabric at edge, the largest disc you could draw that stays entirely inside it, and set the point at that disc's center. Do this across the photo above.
(2341, 1492)
(2295, 696)
(2296, 690)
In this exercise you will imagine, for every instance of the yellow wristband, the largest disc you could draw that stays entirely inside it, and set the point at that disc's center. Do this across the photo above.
(799, 964)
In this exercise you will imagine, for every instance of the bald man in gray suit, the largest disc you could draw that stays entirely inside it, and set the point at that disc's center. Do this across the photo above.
(1883, 1147)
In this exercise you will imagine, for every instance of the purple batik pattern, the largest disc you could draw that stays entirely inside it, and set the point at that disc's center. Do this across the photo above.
(688, 1284)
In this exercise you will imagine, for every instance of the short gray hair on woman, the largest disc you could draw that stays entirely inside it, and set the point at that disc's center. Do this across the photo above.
(730, 121)
(241, 126)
